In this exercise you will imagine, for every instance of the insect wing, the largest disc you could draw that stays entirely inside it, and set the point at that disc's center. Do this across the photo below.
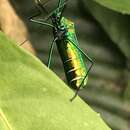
(72, 36)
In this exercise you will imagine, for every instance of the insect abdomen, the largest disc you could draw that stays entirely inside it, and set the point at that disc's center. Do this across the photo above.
(74, 66)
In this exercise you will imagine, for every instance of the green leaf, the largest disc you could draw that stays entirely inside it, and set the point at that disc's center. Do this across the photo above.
(116, 5)
(32, 97)
(115, 24)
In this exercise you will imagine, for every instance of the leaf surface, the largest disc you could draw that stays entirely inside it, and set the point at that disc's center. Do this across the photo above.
(116, 5)
(32, 97)
(116, 25)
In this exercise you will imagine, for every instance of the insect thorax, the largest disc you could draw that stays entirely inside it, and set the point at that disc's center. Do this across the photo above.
(64, 29)
(68, 25)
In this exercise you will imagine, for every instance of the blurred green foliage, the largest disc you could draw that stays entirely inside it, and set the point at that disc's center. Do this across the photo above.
(116, 5)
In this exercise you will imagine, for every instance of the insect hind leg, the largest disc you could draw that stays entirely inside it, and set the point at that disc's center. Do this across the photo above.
(76, 93)
(87, 58)
(50, 52)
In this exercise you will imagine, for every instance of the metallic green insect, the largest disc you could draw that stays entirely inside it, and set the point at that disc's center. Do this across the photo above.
(65, 38)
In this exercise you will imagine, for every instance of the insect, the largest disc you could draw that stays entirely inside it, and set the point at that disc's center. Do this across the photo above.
(72, 56)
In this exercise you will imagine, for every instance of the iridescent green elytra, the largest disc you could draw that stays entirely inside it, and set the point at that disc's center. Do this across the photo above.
(67, 44)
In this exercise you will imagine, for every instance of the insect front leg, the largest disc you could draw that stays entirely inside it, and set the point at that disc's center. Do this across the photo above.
(40, 21)
(50, 52)
(36, 21)
(57, 10)
(87, 58)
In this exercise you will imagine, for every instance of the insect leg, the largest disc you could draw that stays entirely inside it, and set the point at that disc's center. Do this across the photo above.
(35, 15)
(50, 52)
(36, 21)
(60, 2)
(55, 10)
(40, 21)
(91, 61)
(61, 7)
(76, 93)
